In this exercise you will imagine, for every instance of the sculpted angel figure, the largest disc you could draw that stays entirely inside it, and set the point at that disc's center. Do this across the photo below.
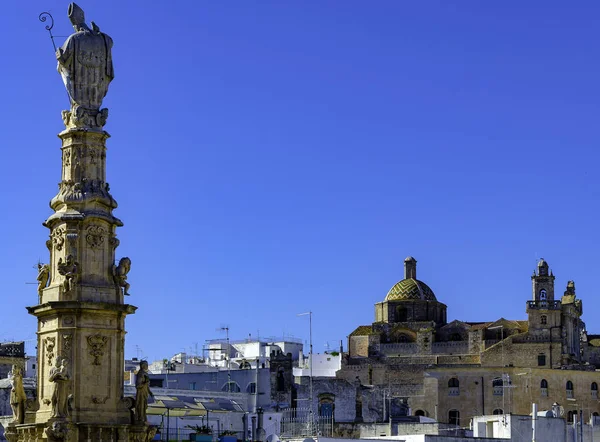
(70, 270)
(59, 375)
(42, 278)
(17, 395)
(120, 274)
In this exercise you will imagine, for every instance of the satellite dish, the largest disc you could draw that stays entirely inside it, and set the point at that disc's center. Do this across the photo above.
(272, 438)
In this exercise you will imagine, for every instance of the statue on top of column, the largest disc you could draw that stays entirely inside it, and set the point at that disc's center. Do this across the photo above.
(85, 64)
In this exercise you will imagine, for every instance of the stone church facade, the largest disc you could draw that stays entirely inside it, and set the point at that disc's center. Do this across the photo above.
(411, 361)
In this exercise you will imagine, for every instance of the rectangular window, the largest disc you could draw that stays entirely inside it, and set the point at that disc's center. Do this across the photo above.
(541, 360)
(192, 385)
(156, 383)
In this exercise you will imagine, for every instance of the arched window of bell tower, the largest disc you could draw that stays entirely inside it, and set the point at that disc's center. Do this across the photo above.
(543, 295)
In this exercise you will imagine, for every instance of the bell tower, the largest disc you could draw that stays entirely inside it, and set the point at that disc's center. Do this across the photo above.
(542, 283)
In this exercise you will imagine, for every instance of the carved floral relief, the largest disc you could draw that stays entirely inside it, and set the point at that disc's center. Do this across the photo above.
(95, 236)
(67, 340)
(49, 344)
(58, 238)
(96, 345)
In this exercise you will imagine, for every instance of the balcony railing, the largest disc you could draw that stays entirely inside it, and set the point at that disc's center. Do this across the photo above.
(544, 305)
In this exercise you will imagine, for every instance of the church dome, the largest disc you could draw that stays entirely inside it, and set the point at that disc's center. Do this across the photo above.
(410, 289)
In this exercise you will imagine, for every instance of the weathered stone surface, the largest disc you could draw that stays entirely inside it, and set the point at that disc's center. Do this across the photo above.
(81, 310)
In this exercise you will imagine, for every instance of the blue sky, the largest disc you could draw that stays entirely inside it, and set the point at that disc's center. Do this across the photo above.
(271, 158)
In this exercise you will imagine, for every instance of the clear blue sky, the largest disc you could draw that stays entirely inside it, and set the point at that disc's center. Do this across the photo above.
(271, 158)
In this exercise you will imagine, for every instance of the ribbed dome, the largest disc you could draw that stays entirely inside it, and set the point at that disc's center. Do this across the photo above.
(410, 289)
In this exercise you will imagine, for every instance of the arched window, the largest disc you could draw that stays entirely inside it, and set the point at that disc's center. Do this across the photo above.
(543, 319)
(453, 389)
(594, 390)
(231, 386)
(280, 380)
(419, 413)
(543, 295)
(402, 339)
(569, 390)
(326, 405)
(497, 387)
(498, 411)
(544, 387)
(570, 415)
(251, 388)
(454, 417)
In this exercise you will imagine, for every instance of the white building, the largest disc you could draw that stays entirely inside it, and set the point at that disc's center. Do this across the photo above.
(31, 367)
(521, 428)
(248, 351)
(324, 365)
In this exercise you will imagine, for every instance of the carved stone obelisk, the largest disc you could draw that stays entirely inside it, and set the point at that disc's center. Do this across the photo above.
(81, 311)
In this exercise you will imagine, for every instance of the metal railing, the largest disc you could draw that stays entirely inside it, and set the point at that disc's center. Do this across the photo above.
(300, 422)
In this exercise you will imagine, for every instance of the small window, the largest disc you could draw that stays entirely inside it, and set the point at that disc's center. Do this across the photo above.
(455, 337)
(251, 388)
(453, 387)
(570, 415)
(498, 387)
(401, 314)
(594, 390)
(156, 383)
(280, 380)
(419, 413)
(541, 359)
(33, 366)
(569, 390)
(231, 386)
(543, 295)
(498, 411)
(454, 417)
(543, 319)
(192, 385)
(544, 387)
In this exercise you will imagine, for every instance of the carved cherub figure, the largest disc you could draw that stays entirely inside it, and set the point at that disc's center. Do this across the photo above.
(70, 270)
(42, 278)
(120, 274)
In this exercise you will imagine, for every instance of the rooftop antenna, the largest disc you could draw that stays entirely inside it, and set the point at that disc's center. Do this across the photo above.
(226, 329)
(310, 367)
